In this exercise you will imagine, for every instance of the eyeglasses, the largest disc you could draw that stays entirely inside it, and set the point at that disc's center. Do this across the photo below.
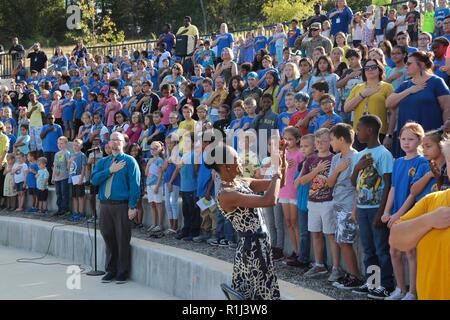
(371, 67)
(326, 102)
(401, 38)
(423, 39)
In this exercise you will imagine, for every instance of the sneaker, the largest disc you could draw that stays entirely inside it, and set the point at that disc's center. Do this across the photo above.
(213, 241)
(362, 290)
(108, 277)
(188, 238)
(296, 263)
(171, 231)
(180, 236)
(139, 226)
(336, 274)
(340, 282)
(315, 271)
(397, 294)
(277, 254)
(410, 296)
(224, 243)
(201, 238)
(75, 217)
(232, 245)
(156, 229)
(150, 229)
(379, 293)
(349, 282)
(33, 210)
(121, 279)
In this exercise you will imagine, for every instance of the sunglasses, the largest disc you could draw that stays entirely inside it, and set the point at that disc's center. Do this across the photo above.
(371, 68)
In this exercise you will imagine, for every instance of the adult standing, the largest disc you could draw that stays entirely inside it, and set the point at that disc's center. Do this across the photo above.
(38, 58)
(4, 147)
(223, 40)
(315, 39)
(191, 31)
(317, 17)
(424, 99)
(118, 177)
(36, 114)
(227, 68)
(80, 51)
(446, 27)
(17, 52)
(341, 17)
(49, 136)
(167, 37)
(59, 60)
(369, 97)
(253, 272)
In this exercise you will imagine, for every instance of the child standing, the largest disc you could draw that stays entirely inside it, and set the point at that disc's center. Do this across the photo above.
(42, 177)
(321, 217)
(167, 104)
(93, 158)
(23, 142)
(68, 107)
(329, 118)
(171, 183)
(154, 173)
(77, 170)
(136, 153)
(60, 176)
(288, 195)
(112, 107)
(285, 117)
(342, 138)
(9, 188)
(400, 201)
(20, 169)
(33, 168)
(301, 105)
(372, 178)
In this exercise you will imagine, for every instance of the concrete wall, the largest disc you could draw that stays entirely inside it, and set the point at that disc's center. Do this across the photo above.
(181, 273)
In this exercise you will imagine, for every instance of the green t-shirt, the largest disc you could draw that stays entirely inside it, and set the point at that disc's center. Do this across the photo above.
(428, 22)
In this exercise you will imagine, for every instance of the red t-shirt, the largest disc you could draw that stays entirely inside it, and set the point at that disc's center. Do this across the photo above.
(296, 118)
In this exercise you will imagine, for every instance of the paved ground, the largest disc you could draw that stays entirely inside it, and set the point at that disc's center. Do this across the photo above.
(39, 282)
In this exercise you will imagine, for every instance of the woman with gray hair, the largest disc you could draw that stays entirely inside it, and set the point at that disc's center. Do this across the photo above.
(223, 40)
(227, 68)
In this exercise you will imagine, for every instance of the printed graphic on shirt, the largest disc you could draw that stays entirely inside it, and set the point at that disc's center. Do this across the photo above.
(368, 187)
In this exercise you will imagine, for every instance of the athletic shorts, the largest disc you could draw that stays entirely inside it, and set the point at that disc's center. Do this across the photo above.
(42, 195)
(32, 191)
(19, 187)
(321, 217)
(78, 191)
(68, 124)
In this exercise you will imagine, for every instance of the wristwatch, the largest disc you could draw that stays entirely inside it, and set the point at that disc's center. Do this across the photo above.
(388, 135)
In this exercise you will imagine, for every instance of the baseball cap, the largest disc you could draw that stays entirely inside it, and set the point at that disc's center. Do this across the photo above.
(316, 26)
(252, 75)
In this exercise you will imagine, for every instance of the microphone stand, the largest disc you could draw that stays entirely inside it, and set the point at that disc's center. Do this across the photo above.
(95, 272)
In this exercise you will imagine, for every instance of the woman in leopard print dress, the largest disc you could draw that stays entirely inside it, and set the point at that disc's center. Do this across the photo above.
(253, 272)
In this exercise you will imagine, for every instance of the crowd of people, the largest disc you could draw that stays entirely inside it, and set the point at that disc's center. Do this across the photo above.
(361, 101)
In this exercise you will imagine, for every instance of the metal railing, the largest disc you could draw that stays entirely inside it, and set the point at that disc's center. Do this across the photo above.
(6, 65)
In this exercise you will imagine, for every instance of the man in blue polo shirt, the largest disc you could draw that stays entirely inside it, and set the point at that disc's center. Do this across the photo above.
(118, 177)
(49, 136)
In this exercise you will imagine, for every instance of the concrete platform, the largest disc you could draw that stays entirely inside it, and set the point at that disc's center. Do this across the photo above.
(173, 271)
(49, 282)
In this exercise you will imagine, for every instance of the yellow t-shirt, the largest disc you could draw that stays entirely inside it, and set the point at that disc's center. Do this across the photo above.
(185, 128)
(36, 118)
(433, 251)
(376, 103)
(189, 31)
(4, 145)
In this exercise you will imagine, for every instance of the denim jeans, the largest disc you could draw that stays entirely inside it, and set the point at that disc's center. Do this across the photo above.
(62, 194)
(274, 219)
(191, 214)
(305, 239)
(375, 243)
(171, 201)
(224, 228)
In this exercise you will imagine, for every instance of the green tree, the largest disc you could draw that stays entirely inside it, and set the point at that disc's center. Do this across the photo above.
(96, 25)
(285, 10)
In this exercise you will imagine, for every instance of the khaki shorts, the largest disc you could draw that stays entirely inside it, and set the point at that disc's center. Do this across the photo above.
(321, 217)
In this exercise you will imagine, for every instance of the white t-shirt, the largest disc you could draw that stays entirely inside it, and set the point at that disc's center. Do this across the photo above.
(163, 56)
(21, 169)
(401, 27)
(358, 32)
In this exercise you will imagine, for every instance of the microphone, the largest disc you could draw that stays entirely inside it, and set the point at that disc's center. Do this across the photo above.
(94, 148)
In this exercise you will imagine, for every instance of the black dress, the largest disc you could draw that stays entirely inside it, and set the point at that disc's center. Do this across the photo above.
(253, 271)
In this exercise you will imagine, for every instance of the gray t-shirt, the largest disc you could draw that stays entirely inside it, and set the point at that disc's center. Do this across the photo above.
(60, 165)
(344, 192)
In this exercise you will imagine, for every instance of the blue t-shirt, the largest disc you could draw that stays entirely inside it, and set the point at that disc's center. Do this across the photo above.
(168, 174)
(423, 106)
(324, 118)
(302, 195)
(281, 124)
(188, 179)
(312, 121)
(260, 45)
(79, 161)
(80, 105)
(47, 105)
(68, 110)
(50, 142)
(383, 24)
(292, 36)
(404, 174)
(225, 41)
(262, 75)
(25, 149)
(31, 177)
(154, 170)
(431, 186)
(204, 177)
(441, 13)
(12, 139)
(99, 107)
(370, 182)
(272, 50)
(411, 49)
(10, 120)
(341, 21)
